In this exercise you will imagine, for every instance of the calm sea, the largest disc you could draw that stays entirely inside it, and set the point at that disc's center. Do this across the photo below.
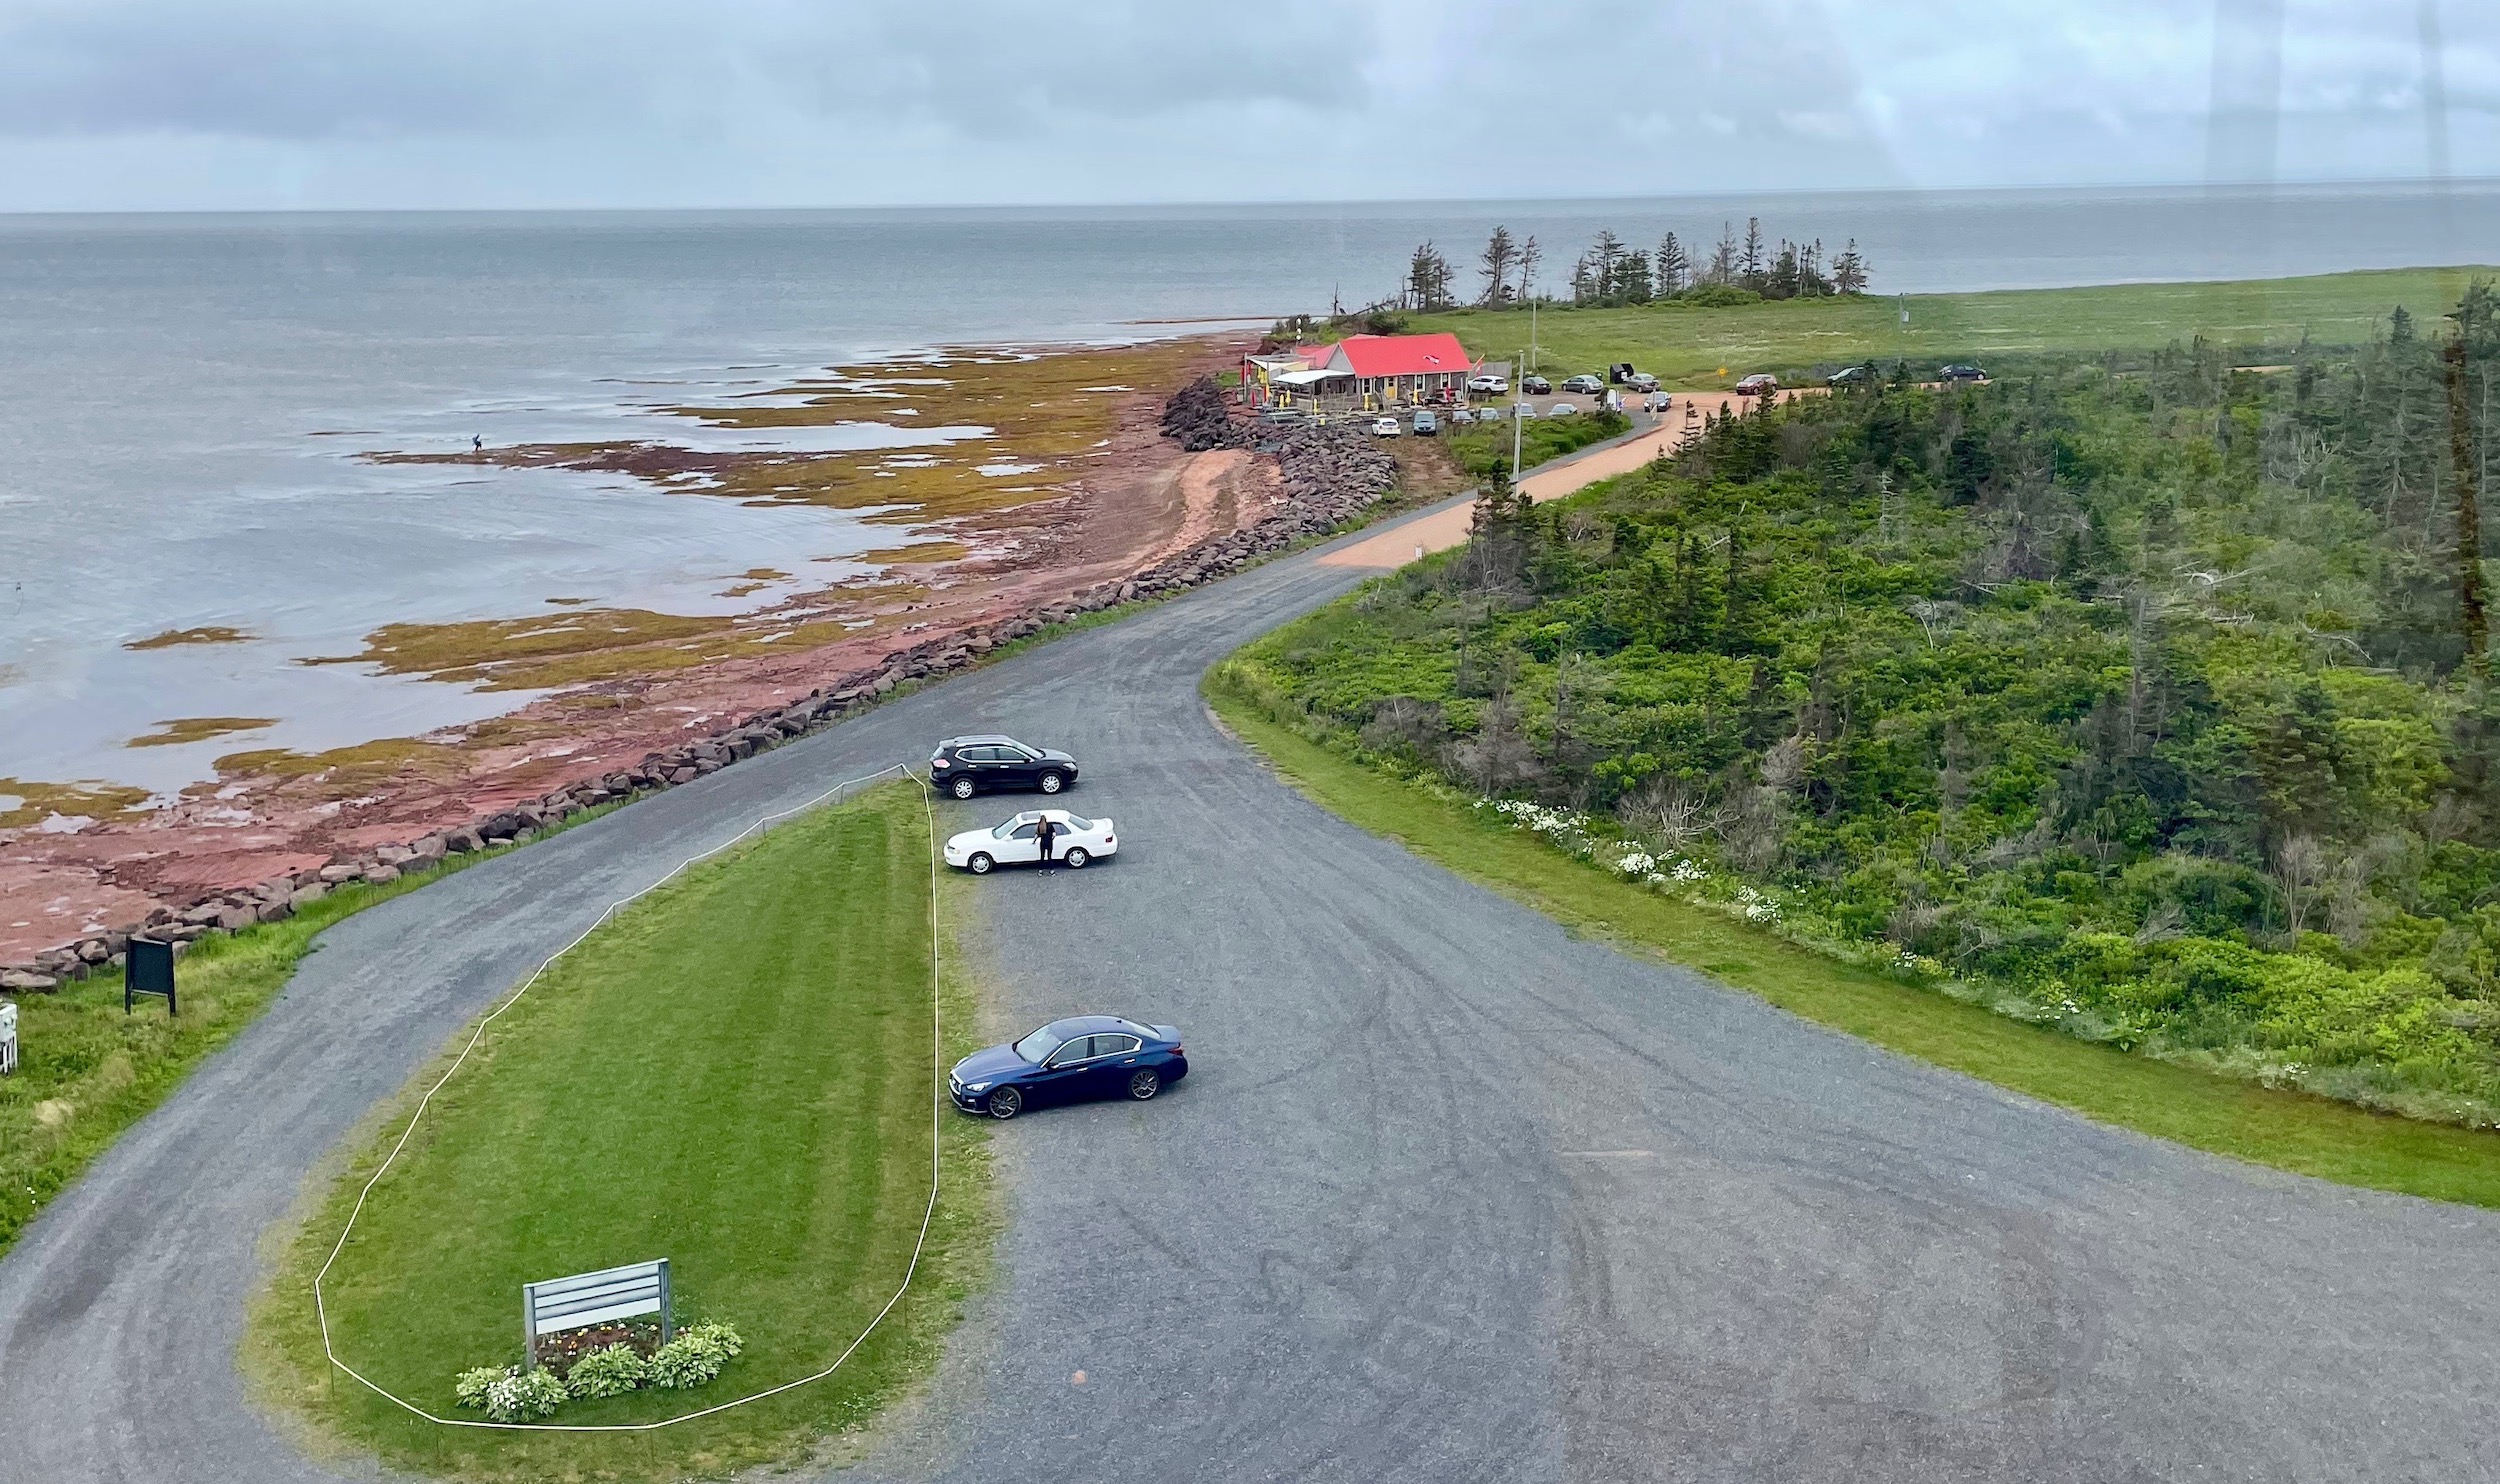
(182, 397)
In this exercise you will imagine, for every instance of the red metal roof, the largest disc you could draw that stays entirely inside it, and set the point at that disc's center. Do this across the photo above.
(1404, 355)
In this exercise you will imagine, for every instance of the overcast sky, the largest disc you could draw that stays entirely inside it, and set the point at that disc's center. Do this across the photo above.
(210, 104)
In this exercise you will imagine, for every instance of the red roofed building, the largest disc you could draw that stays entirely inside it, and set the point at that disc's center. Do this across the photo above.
(1402, 368)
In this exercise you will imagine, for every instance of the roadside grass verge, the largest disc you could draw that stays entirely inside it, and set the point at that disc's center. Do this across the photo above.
(736, 1073)
(87, 1072)
(1686, 346)
(2287, 1130)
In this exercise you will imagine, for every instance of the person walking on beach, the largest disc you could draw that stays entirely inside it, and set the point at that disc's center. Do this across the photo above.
(1043, 833)
(476, 444)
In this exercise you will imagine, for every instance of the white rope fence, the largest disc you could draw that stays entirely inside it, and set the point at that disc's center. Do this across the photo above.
(936, 1053)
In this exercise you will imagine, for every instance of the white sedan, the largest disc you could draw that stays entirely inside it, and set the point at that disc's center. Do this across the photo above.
(1075, 841)
(1385, 427)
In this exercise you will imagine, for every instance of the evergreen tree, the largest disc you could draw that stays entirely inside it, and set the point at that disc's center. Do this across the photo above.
(1723, 256)
(1749, 262)
(1783, 279)
(1605, 260)
(1530, 255)
(1811, 280)
(1585, 288)
(1633, 281)
(1673, 272)
(1849, 270)
(1428, 278)
(1501, 255)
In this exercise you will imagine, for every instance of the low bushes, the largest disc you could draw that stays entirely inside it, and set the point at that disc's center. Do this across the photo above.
(515, 1393)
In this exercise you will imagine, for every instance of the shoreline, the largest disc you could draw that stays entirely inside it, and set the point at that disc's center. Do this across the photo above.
(1142, 520)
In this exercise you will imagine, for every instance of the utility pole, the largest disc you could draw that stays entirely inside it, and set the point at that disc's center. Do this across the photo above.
(1518, 415)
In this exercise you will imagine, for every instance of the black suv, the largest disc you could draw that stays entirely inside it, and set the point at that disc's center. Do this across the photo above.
(964, 766)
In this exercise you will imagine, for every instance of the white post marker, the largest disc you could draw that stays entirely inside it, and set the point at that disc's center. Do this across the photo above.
(560, 1304)
(8, 1040)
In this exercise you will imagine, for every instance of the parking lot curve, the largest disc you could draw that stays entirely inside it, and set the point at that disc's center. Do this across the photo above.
(1449, 1193)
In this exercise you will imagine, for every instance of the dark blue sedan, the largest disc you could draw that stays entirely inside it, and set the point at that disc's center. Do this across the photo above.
(1070, 1061)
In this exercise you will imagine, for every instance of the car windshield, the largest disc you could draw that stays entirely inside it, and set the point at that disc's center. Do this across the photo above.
(1042, 1043)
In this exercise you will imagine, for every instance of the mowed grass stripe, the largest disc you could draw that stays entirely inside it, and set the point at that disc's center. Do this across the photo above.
(2287, 1130)
(734, 1074)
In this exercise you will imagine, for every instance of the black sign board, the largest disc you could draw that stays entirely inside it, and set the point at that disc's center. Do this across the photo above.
(149, 970)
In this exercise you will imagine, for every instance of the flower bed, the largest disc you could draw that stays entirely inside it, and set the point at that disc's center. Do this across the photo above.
(603, 1361)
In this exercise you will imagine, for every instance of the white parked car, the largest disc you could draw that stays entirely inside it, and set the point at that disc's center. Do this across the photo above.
(1497, 385)
(1384, 427)
(1075, 841)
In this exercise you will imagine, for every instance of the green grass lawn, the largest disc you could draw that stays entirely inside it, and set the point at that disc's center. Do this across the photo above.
(1686, 347)
(735, 1074)
(2290, 1131)
(1481, 450)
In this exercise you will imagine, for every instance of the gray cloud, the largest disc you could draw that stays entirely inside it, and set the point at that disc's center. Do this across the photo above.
(187, 103)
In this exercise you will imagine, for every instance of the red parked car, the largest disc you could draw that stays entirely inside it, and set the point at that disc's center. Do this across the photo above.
(1760, 384)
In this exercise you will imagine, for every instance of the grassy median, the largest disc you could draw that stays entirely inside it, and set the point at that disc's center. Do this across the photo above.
(735, 1074)
(2290, 1131)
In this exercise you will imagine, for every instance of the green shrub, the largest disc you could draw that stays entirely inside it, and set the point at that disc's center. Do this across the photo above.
(612, 1371)
(510, 1393)
(695, 1356)
(470, 1386)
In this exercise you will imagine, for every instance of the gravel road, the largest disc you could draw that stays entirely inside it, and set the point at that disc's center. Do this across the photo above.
(1448, 1195)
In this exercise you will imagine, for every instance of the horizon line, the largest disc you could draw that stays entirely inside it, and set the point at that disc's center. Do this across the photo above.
(2246, 188)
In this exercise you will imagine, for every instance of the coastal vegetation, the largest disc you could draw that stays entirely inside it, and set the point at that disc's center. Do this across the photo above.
(1695, 343)
(766, 1126)
(172, 638)
(1612, 272)
(2147, 705)
(1483, 449)
(87, 1071)
(1444, 823)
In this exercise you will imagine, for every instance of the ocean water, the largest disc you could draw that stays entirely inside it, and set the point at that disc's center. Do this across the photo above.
(183, 398)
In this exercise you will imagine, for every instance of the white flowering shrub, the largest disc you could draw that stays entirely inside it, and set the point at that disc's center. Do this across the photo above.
(695, 1356)
(509, 1393)
(613, 1371)
(470, 1386)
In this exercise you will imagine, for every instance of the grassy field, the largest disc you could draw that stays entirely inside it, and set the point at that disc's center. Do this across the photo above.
(87, 1071)
(1686, 347)
(2287, 1130)
(736, 1074)
(1481, 450)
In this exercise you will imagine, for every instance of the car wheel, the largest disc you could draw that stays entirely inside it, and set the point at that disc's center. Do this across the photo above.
(1144, 1083)
(1053, 782)
(1076, 858)
(980, 863)
(1006, 1103)
(962, 788)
